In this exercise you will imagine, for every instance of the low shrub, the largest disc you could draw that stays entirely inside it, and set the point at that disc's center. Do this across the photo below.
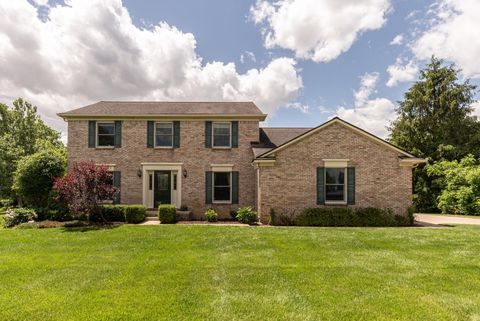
(114, 213)
(233, 214)
(271, 220)
(325, 217)
(370, 216)
(211, 215)
(345, 217)
(15, 216)
(247, 215)
(408, 219)
(135, 214)
(167, 214)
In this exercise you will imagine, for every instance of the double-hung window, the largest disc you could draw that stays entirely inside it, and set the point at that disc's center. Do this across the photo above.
(222, 135)
(222, 187)
(164, 134)
(106, 134)
(335, 185)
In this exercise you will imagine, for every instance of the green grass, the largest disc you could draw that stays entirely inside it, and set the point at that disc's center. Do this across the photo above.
(183, 272)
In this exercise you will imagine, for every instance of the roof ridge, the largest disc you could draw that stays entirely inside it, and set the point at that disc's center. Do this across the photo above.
(172, 101)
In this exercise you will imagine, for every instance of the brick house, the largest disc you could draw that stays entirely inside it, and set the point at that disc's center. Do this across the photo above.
(215, 155)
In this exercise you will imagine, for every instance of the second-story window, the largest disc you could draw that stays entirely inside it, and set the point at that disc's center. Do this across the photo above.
(222, 134)
(163, 134)
(106, 134)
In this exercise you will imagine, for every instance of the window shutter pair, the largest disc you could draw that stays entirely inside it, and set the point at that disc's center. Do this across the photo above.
(209, 137)
(92, 134)
(321, 185)
(209, 187)
(151, 129)
(117, 184)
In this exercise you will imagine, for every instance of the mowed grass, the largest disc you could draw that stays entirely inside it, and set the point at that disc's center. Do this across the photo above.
(184, 272)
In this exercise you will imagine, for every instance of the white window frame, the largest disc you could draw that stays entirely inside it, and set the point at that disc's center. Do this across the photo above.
(97, 133)
(230, 135)
(213, 188)
(344, 201)
(155, 134)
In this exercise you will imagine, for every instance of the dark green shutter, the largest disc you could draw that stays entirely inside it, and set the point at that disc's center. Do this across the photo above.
(150, 126)
(208, 134)
(118, 134)
(320, 185)
(234, 187)
(234, 134)
(351, 185)
(92, 128)
(117, 183)
(208, 187)
(176, 134)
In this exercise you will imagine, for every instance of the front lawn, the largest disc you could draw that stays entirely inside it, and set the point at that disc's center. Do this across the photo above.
(182, 272)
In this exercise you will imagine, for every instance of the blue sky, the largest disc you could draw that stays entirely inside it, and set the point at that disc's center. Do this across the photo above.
(292, 57)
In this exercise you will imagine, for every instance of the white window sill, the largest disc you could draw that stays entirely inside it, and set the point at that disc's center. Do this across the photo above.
(222, 147)
(105, 147)
(163, 147)
(222, 202)
(335, 203)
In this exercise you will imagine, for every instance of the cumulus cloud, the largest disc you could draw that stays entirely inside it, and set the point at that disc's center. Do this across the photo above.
(401, 72)
(373, 115)
(320, 30)
(476, 109)
(453, 35)
(91, 50)
(397, 40)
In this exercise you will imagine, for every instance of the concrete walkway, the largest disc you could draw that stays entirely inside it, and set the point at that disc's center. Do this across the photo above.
(432, 220)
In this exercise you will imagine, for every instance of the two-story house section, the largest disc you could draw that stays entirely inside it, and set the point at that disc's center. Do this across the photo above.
(215, 155)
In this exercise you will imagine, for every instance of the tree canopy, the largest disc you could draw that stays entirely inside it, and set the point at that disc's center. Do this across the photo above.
(434, 118)
(22, 133)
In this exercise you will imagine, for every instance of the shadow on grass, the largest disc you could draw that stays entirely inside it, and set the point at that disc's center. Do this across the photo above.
(89, 228)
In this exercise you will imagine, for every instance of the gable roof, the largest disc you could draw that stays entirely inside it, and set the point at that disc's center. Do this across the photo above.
(271, 137)
(335, 120)
(133, 109)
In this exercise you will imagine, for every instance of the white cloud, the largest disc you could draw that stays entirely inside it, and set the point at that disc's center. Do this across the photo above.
(373, 115)
(401, 72)
(397, 40)
(247, 55)
(320, 30)
(476, 109)
(453, 35)
(302, 107)
(90, 50)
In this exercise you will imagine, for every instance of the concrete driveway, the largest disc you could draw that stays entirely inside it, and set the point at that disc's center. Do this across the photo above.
(429, 220)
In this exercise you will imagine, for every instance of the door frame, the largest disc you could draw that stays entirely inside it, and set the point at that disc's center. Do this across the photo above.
(174, 168)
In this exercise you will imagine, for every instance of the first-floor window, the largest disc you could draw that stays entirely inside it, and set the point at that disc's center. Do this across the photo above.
(335, 184)
(106, 135)
(222, 186)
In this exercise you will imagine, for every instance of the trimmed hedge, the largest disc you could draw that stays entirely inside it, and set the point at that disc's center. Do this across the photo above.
(121, 213)
(367, 216)
(135, 214)
(167, 214)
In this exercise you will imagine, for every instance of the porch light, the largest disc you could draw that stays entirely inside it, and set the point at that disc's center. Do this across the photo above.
(184, 173)
(139, 173)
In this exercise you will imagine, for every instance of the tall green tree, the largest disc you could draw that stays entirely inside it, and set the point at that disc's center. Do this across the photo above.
(434, 121)
(22, 133)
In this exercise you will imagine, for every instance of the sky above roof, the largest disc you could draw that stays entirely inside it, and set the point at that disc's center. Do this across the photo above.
(301, 61)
